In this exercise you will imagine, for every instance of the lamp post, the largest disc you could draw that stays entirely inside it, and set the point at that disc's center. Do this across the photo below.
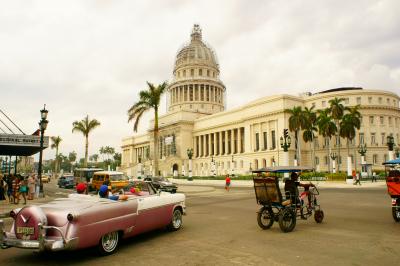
(362, 150)
(190, 155)
(232, 167)
(285, 145)
(390, 144)
(333, 157)
(43, 125)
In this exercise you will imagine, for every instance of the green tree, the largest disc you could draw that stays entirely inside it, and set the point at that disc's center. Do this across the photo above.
(327, 128)
(296, 122)
(55, 145)
(309, 126)
(72, 158)
(148, 100)
(85, 126)
(337, 110)
(350, 122)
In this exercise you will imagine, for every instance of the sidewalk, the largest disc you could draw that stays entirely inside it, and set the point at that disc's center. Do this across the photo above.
(249, 183)
(6, 206)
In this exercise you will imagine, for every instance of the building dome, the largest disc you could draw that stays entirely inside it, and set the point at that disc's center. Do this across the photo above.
(196, 86)
(196, 52)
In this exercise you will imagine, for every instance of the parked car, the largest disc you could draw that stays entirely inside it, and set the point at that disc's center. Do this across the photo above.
(66, 181)
(82, 221)
(162, 183)
(114, 179)
(45, 178)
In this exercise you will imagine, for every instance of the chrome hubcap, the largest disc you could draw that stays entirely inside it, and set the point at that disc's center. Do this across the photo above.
(177, 219)
(109, 241)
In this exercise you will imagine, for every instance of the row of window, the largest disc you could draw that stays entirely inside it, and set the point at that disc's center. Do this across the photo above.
(200, 72)
(358, 100)
(196, 92)
(375, 159)
(382, 120)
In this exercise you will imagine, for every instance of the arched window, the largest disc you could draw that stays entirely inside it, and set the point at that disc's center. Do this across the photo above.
(264, 163)
(255, 164)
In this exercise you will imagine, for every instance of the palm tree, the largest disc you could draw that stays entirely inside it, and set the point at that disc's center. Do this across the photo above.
(350, 122)
(310, 119)
(102, 151)
(296, 122)
(85, 126)
(72, 158)
(337, 111)
(148, 99)
(55, 145)
(327, 128)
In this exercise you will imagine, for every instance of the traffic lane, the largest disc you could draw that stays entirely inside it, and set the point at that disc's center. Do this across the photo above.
(221, 229)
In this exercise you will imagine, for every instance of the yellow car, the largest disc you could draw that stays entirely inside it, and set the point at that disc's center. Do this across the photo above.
(114, 179)
(45, 179)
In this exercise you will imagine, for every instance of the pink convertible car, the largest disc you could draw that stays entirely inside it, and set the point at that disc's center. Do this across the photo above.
(82, 221)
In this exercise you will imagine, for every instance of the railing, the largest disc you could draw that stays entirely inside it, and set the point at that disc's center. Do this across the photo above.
(23, 140)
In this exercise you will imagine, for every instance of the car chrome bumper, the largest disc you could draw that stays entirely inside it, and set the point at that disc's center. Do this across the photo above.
(8, 240)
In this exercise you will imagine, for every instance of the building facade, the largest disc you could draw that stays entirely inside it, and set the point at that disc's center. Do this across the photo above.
(245, 138)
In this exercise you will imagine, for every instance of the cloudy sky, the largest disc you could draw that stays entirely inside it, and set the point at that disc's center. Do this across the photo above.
(92, 57)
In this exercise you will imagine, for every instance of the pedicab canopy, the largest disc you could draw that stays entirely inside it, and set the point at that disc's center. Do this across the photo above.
(283, 169)
(391, 162)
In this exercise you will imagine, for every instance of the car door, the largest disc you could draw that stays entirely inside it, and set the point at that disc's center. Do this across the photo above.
(153, 212)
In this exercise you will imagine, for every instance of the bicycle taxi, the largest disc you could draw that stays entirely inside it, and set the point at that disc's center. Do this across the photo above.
(392, 169)
(284, 210)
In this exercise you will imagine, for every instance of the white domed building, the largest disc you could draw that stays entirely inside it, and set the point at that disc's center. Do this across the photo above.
(247, 137)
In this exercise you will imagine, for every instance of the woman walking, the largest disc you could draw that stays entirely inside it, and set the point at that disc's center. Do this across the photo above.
(23, 188)
(2, 188)
(31, 187)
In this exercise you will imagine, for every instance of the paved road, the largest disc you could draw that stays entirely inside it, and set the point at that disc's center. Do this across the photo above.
(221, 229)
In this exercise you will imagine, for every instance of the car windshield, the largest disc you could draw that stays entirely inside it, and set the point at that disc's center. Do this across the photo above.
(160, 179)
(118, 177)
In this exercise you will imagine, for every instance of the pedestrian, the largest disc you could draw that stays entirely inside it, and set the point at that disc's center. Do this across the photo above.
(37, 186)
(227, 182)
(2, 188)
(23, 188)
(353, 174)
(15, 189)
(31, 187)
(373, 177)
(9, 189)
(358, 179)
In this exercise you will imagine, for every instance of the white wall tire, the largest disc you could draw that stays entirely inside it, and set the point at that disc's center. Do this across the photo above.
(109, 243)
(176, 221)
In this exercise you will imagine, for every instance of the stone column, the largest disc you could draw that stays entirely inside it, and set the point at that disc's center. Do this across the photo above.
(349, 166)
(220, 142)
(215, 143)
(391, 155)
(232, 141)
(204, 146)
(226, 142)
(209, 144)
(247, 143)
(239, 141)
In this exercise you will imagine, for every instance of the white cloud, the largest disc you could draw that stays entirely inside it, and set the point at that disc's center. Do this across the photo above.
(92, 57)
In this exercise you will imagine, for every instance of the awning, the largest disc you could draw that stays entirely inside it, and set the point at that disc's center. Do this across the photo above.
(283, 169)
(395, 161)
(21, 145)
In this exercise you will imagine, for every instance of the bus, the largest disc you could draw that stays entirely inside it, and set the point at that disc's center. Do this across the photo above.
(85, 174)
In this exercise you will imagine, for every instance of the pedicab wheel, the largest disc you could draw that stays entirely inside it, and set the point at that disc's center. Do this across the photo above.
(396, 213)
(287, 220)
(108, 243)
(265, 218)
(319, 216)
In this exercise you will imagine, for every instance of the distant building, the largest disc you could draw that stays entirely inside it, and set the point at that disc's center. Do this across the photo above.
(247, 137)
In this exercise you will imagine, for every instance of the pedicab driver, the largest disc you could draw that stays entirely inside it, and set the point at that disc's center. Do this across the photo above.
(292, 190)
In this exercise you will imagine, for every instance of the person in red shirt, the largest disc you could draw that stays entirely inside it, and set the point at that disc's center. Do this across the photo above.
(227, 182)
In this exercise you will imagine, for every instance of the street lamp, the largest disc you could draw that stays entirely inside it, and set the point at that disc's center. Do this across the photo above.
(333, 156)
(190, 155)
(285, 145)
(43, 125)
(233, 165)
(390, 144)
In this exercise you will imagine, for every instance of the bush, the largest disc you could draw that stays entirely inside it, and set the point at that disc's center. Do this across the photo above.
(336, 177)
